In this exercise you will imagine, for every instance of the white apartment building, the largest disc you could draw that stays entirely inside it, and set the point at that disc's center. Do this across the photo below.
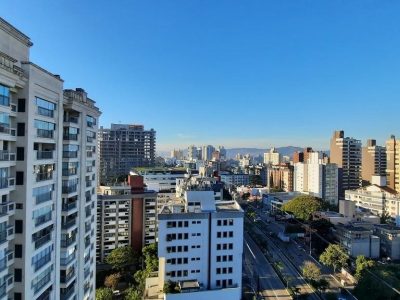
(201, 244)
(47, 167)
(272, 157)
(126, 215)
(317, 178)
(235, 179)
(377, 198)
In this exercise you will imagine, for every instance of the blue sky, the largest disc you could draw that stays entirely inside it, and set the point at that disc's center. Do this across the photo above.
(238, 73)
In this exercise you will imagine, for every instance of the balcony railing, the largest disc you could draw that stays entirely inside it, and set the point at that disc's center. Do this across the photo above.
(3, 236)
(44, 154)
(67, 277)
(69, 206)
(42, 240)
(67, 260)
(6, 182)
(6, 207)
(42, 261)
(4, 100)
(69, 224)
(3, 263)
(41, 283)
(43, 197)
(70, 154)
(44, 133)
(43, 219)
(68, 242)
(45, 112)
(69, 189)
(3, 290)
(70, 137)
(44, 176)
(6, 156)
(67, 295)
(69, 172)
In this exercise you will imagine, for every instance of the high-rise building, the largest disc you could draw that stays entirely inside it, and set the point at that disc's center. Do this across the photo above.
(207, 152)
(126, 216)
(48, 166)
(123, 147)
(272, 157)
(393, 163)
(192, 153)
(281, 177)
(302, 156)
(201, 244)
(373, 161)
(345, 152)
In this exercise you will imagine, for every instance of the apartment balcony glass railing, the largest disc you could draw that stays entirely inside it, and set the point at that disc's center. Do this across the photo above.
(66, 295)
(70, 154)
(43, 219)
(44, 154)
(3, 263)
(67, 260)
(6, 208)
(70, 137)
(41, 283)
(3, 290)
(45, 112)
(42, 262)
(69, 189)
(6, 156)
(43, 197)
(69, 172)
(69, 206)
(68, 242)
(45, 133)
(71, 119)
(69, 224)
(65, 278)
(44, 176)
(42, 240)
(6, 182)
(7, 130)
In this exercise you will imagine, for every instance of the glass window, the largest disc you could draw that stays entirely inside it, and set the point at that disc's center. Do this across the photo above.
(4, 119)
(45, 108)
(44, 125)
(4, 95)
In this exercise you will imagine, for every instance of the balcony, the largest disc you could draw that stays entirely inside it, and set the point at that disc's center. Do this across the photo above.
(66, 261)
(70, 154)
(3, 263)
(69, 206)
(70, 137)
(69, 189)
(69, 172)
(69, 224)
(67, 294)
(44, 154)
(42, 262)
(89, 139)
(67, 277)
(88, 227)
(44, 133)
(43, 219)
(41, 283)
(44, 176)
(42, 241)
(68, 242)
(4, 100)
(71, 119)
(88, 198)
(7, 182)
(7, 156)
(45, 112)
(88, 183)
(43, 197)
(6, 208)
(8, 130)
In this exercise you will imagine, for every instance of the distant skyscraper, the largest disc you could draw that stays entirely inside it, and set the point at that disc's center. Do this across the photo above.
(123, 147)
(393, 163)
(346, 154)
(192, 153)
(207, 152)
(373, 161)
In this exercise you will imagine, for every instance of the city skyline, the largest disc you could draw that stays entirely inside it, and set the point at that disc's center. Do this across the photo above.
(276, 72)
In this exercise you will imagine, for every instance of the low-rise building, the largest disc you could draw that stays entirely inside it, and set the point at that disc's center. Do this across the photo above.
(235, 179)
(390, 240)
(357, 240)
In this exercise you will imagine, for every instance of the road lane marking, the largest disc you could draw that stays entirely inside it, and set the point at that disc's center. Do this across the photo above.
(251, 252)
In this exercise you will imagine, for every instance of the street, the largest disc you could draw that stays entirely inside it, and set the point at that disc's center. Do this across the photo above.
(261, 272)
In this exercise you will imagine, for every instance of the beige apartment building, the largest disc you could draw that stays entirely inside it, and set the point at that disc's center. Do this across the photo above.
(373, 161)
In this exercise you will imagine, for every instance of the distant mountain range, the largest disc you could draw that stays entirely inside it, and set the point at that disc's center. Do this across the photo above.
(284, 151)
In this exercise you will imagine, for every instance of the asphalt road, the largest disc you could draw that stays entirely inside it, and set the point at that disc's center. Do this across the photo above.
(262, 273)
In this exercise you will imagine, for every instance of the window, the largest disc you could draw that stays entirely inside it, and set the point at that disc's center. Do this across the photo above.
(20, 153)
(18, 251)
(44, 129)
(19, 225)
(19, 178)
(4, 95)
(45, 108)
(17, 275)
(21, 105)
(20, 129)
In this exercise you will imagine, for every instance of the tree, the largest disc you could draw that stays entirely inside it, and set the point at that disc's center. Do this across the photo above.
(170, 287)
(121, 258)
(150, 253)
(334, 256)
(140, 279)
(104, 294)
(310, 271)
(321, 285)
(362, 263)
(132, 294)
(302, 207)
(385, 217)
(255, 180)
(111, 281)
